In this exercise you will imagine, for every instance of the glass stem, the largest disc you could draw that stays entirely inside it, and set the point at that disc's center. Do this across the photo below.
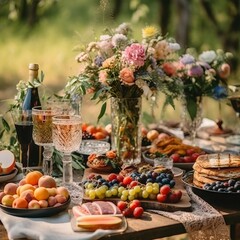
(67, 169)
(24, 155)
(47, 160)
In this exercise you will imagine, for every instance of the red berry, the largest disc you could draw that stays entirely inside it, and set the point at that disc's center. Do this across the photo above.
(195, 156)
(178, 193)
(112, 176)
(135, 203)
(175, 157)
(120, 178)
(137, 212)
(162, 198)
(127, 180)
(187, 159)
(190, 151)
(122, 205)
(165, 189)
(133, 184)
(173, 198)
(127, 212)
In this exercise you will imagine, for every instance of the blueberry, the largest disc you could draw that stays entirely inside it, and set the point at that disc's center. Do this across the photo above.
(165, 181)
(150, 180)
(172, 183)
(231, 182)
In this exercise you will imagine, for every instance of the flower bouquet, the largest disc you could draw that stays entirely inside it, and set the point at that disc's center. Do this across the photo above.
(124, 69)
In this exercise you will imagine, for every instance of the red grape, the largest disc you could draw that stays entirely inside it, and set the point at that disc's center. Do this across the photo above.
(165, 189)
(137, 212)
(162, 197)
(122, 205)
(112, 176)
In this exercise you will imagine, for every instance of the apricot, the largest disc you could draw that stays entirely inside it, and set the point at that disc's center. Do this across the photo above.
(47, 182)
(2, 194)
(22, 182)
(52, 191)
(7, 200)
(63, 191)
(34, 204)
(41, 193)
(33, 177)
(20, 203)
(52, 201)
(28, 195)
(25, 187)
(60, 198)
(43, 203)
(10, 188)
(152, 134)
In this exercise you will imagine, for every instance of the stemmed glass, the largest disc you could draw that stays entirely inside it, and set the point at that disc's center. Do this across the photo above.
(42, 134)
(234, 97)
(24, 127)
(67, 137)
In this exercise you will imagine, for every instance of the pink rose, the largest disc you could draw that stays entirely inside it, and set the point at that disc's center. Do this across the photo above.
(134, 55)
(224, 70)
(126, 76)
(103, 77)
(170, 69)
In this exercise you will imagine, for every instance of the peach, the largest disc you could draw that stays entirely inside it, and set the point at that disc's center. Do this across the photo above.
(52, 201)
(60, 198)
(57, 204)
(47, 182)
(22, 182)
(28, 195)
(33, 177)
(7, 161)
(52, 191)
(7, 200)
(26, 187)
(10, 188)
(20, 203)
(2, 194)
(34, 204)
(63, 191)
(43, 203)
(41, 193)
(152, 134)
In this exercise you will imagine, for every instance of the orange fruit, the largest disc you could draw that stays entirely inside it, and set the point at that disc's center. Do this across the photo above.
(20, 203)
(33, 177)
(41, 193)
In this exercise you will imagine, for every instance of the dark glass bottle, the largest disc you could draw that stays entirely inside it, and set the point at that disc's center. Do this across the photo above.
(31, 100)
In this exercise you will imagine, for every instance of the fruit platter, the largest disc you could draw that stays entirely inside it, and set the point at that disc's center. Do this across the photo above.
(154, 189)
(216, 179)
(36, 195)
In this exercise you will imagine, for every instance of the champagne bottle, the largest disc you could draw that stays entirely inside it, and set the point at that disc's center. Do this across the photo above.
(31, 100)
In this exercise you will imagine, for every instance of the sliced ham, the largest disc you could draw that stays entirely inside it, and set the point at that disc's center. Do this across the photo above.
(79, 211)
(105, 207)
(92, 209)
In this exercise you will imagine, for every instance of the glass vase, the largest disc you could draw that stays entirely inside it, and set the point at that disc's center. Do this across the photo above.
(126, 137)
(191, 116)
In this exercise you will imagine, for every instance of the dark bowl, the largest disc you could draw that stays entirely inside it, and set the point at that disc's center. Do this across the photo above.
(221, 199)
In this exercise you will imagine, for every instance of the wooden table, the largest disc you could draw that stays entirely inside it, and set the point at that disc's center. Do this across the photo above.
(153, 226)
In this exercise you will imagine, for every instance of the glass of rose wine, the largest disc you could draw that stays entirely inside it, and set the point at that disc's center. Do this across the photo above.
(67, 137)
(24, 127)
(42, 134)
(234, 98)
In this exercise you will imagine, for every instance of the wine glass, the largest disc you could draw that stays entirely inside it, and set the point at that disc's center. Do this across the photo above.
(67, 137)
(24, 127)
(234, 97)
(42, 134)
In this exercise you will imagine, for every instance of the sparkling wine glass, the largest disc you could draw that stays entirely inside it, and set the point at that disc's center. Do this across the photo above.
(234, 98)
(42, 134)
(24, 127)
(67, 137)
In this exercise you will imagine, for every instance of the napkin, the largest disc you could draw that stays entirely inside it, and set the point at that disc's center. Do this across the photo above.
(54, 227)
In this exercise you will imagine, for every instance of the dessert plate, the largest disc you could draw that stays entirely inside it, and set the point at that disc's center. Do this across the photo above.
(6, 177)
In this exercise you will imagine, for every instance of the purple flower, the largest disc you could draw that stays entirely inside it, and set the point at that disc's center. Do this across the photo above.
(98, 61)
(187, 59)
(134, 55)
(195, 71)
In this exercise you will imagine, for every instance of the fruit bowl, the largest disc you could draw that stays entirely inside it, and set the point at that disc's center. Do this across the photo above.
(223, 199)
(35, 213)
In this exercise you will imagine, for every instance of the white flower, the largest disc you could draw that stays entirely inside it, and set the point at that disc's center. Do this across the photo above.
(119, 39)
(123, 28)
(105, 37)
(207, 56)
(174, 46)
(143, 85)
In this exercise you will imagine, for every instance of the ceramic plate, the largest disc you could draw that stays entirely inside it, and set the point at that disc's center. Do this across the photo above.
(34, 213)
(229, 200)
(235, 140)
(6, 177)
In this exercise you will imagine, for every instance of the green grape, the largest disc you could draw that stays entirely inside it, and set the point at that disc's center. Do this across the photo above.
(92, 194)
(102, 189)
(101, 196)
(149, 184)
(155, 185)
(155, 190)
(145, 194)
(124, 197)
(149, 189)
(137, 189)
(108, 193)
(125, 192)
(152, 196)
(132, 192)
(98, 192)
(90, 186)
(87, 192)
(120, 189)
(114, 191)
(131, 197)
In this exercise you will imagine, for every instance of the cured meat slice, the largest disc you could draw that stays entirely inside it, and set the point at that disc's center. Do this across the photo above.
(105, 207)
(79, 211)
(91, 208)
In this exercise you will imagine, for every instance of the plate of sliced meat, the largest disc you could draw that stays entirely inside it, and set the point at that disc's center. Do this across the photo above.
(91, 216)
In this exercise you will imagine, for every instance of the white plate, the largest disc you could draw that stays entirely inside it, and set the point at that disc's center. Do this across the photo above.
(6, 177)
(235, 140)
(178, 172)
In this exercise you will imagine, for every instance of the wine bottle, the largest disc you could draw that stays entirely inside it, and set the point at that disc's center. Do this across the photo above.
(31, 100)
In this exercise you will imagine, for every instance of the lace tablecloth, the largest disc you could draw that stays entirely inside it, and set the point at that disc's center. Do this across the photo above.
(203, 223)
